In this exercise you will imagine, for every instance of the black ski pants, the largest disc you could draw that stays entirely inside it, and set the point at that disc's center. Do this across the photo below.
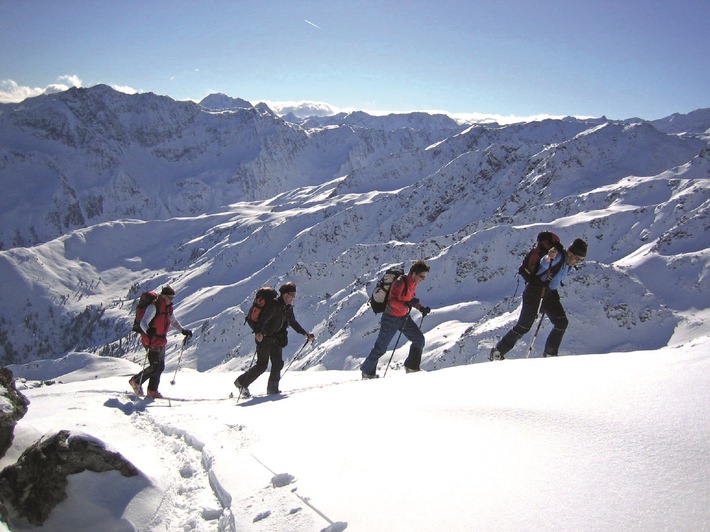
(551, 307)
(269, 349)
(156, 366)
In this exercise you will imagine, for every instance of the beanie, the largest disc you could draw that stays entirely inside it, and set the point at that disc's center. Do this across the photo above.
(167, 291)
(288, 288)
(579, 248)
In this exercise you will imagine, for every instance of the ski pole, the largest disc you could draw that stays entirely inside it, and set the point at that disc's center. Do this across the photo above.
(393, 350)
(537, 330)
(182, 348)
(395, 346)
(542, 315)
(145, 359)
(397, 342)
(295, 357)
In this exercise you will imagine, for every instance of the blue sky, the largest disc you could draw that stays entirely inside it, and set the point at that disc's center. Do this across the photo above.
(619, 58)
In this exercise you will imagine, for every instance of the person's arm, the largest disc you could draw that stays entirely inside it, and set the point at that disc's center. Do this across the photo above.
(548, 261)
(177, 325)
(295, 325)
(150, 312)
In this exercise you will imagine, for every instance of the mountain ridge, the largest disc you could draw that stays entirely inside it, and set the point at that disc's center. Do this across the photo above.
(330, 208)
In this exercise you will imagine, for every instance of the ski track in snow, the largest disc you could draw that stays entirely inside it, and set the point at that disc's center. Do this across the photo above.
(190, 465)
(196, 498)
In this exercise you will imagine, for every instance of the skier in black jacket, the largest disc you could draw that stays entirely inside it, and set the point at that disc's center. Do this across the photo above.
(541, 295)
(271, 337)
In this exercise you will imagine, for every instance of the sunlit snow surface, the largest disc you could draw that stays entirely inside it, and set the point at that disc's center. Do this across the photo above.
(618, 441)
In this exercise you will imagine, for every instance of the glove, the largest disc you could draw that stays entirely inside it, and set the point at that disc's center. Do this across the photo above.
(187, 332)
(150, 331)
(310, 337)
(412, 303)
(425, 311)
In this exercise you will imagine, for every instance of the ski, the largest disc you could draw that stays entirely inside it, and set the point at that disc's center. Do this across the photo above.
(144, 398)
(256, 399)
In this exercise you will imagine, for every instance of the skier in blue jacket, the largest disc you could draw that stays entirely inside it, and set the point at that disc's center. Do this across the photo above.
(554, 267)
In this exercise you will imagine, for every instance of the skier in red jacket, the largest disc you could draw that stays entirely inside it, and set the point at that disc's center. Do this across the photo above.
(156, 323)
(396, 317)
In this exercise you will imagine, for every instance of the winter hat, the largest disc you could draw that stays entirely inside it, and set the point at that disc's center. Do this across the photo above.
(579, 248)
(288, 288)
(167, 291)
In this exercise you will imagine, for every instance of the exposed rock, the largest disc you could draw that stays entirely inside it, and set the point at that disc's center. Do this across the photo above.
(38, 481)
(13, 407)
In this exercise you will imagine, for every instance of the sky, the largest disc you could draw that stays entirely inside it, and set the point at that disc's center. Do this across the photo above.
(509, 58)
(606, 442)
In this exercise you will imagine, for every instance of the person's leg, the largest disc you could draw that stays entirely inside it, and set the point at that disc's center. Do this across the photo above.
(389, 325)
(156, 364)
(528, 313)
(414, 334)
(277, 364)
(262, 362)
(137, 380)
(556, 312)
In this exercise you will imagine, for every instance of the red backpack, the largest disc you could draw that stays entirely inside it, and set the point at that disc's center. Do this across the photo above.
(146, 298)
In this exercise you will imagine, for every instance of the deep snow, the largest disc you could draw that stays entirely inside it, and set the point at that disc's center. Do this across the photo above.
(616, 441)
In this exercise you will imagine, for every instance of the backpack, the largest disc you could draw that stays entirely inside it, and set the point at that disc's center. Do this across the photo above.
(381, 293)
(263, 296)
(146, 298)
(531, 263)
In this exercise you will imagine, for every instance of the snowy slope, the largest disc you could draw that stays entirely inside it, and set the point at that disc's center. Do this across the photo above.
(607, 442)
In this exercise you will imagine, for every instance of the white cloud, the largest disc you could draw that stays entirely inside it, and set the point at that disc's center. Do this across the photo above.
(303, 109)
(306, 108)
(125, 89)
(12, 92)
(55, 88)
(71, 80)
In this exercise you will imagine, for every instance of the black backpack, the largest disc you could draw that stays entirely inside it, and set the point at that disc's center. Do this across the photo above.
(263, 297)
(531, 263)
(381, 293)
(146, 298)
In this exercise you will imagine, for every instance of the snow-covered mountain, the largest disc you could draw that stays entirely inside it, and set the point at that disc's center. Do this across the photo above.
(108, 194)
(86, 156)
(222, 102)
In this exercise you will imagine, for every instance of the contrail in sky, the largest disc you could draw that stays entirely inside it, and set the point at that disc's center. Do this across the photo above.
(311, 23)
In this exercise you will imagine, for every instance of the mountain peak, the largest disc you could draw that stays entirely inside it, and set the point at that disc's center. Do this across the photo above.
(222, 102)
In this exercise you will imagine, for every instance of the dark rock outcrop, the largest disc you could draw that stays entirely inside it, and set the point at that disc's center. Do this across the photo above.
(13, 407)
(38, 481)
